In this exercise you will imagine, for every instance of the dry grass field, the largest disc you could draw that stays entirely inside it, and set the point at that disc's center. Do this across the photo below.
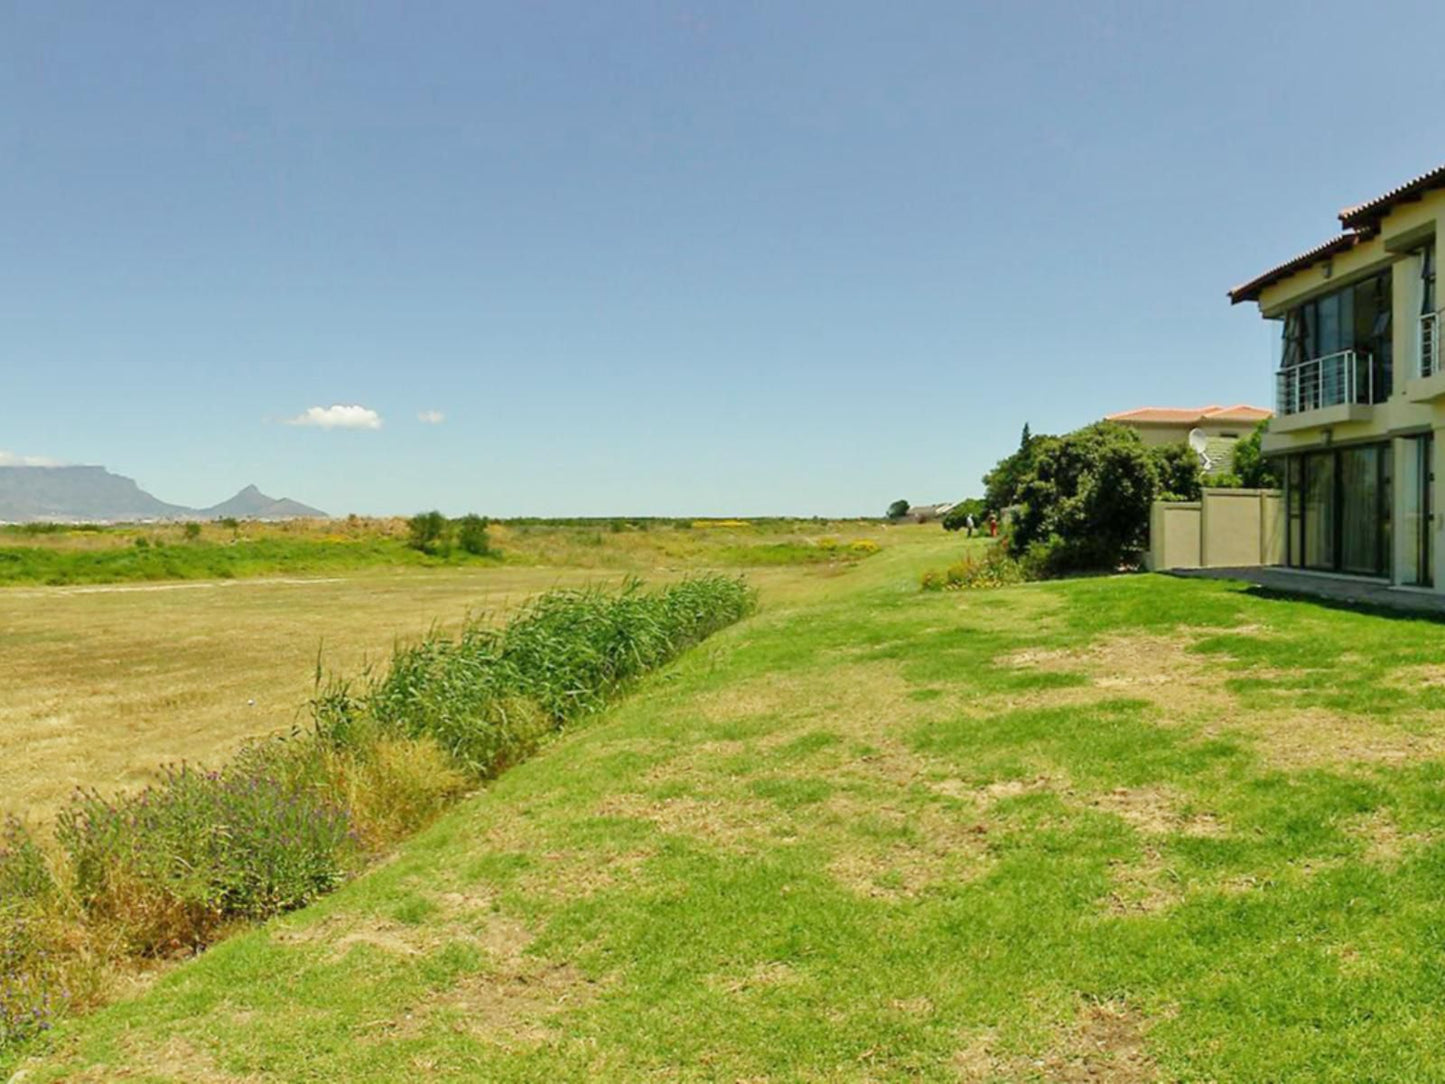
(101, 684)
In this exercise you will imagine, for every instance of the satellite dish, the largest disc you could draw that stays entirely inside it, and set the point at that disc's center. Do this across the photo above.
(1200, 443)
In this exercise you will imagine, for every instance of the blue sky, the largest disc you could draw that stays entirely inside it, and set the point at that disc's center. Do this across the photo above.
(650, 257)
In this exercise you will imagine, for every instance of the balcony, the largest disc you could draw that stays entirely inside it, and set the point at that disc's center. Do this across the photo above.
(1428, 382)
(1346, 378)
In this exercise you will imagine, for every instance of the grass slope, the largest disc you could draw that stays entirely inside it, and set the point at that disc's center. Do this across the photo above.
(1126, 829)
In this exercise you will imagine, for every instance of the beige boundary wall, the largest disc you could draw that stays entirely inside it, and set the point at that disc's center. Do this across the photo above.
(1225, 528)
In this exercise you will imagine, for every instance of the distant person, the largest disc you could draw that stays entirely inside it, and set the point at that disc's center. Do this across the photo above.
(992, 525)
(968, 524)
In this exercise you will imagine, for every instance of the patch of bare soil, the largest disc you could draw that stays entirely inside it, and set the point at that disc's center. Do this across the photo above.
(1105, 1042)
(1385, 844)
(1149, 885)
(1294, 738)
(573, 875)
(733, 822)
(177, 1059)
(1156, 810)
(1430, 675)
(866, 702)
(1144, 887)
(911, 849)
(512, 1003)
(1013, 788)
(1160, 669)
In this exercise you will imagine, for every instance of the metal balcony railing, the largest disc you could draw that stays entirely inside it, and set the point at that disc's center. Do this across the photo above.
(1429, 344)
(1344, 377)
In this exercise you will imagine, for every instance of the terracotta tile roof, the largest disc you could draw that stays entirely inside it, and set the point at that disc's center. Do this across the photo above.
(1371, 211)
(1240, 412)
(1360, 223)
(1250, 291)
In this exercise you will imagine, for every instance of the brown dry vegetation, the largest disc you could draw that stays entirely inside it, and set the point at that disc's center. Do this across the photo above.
(100, 685)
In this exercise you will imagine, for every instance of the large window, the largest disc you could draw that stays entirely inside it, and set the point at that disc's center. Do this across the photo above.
(1338, 509)
(1427, 280)
(1355, 317)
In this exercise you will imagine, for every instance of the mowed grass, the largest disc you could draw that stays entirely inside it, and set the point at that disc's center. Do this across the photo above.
(100, 685)
(1124, 829)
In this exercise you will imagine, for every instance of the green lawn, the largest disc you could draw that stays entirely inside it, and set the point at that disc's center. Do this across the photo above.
(1112, 829)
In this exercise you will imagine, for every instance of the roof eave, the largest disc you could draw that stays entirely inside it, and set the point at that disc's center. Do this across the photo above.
(1251, 290)
(1372, 211)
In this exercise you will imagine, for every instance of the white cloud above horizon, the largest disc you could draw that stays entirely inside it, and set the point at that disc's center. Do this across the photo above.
(10, 459)
(431, 417)
(338, 416)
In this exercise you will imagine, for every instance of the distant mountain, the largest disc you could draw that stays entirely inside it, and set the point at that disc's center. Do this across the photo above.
(88, 494)
(77, 493)
(251, 503)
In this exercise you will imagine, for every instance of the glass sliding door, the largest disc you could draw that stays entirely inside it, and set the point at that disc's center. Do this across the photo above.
(1364, 520)
(1360, 501)
(1319, 511)
(1294, 505)
(1338, 510)
(1417, 479)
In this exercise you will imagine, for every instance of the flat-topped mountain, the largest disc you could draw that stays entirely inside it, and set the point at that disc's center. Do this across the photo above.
(94, 494)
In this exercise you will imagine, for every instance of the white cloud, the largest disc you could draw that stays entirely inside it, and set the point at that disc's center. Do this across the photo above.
(431, 417)
(338, 416)
(10, 459)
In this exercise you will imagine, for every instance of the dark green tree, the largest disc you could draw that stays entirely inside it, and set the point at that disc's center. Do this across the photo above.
(1181, 475)
(1085, 498)
(898, 509)
(1001, 485)
(1250, 466)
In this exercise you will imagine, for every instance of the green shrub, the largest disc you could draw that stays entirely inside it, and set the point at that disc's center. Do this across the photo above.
(993, 568)
(170, 865)
(28, 996)
(429, 532)
(489, 696)
(25, 879)
(192, 531)
(472, 535)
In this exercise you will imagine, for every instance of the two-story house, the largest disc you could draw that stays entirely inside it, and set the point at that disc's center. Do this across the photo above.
(1359, 392)
(1222, 426)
